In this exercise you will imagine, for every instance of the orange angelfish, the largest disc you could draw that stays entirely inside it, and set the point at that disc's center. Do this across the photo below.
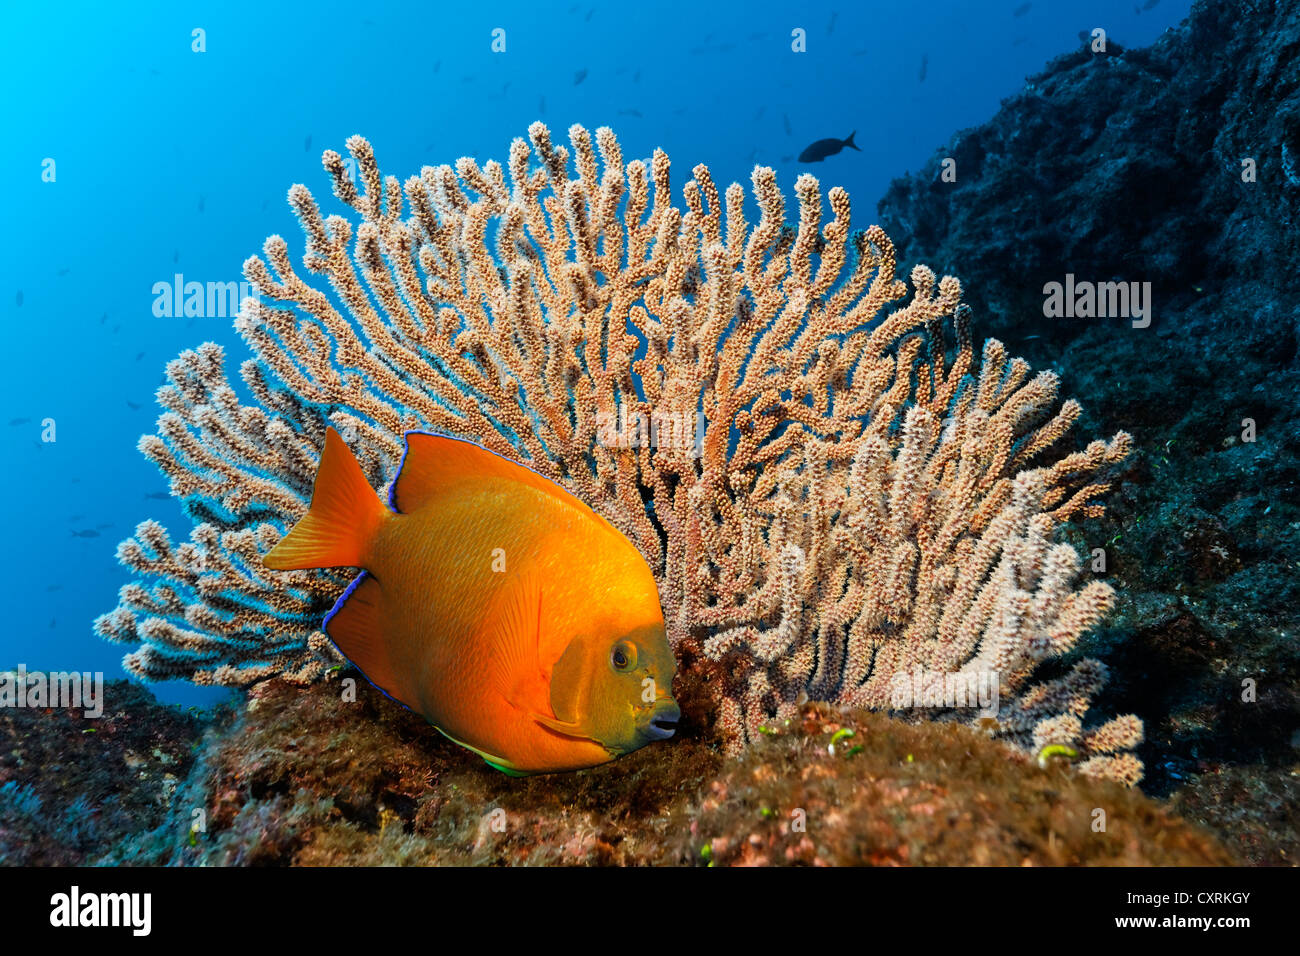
(520, 623)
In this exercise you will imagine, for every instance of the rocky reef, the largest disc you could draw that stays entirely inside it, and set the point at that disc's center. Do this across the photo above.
(1131, 166)
(72, 787)
(304, 776)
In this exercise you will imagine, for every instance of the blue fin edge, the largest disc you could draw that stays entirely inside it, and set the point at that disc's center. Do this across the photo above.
(338, 606)
(401, 466)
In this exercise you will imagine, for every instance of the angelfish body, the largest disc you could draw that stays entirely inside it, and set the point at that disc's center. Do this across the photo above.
(517, 621)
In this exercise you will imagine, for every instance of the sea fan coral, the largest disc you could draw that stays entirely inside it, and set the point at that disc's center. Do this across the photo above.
(830, 495)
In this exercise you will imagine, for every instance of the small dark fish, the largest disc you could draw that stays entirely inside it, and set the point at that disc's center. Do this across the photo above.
(18, 299)
(103, 318)
(819, 150)
(636, 113)
(636, 77)
(785, 121)
(590, 13)
(306, 143)
(759, 114)
(437, 65)
(64, 271)
(831, 26)
(51, 623)
(86, 533)
(787, 157)
(1150, 4)
(133, 406)
(579, 76)
(139, 355)
(157, 495)
(925, 63)
(55, 587)
(106, 524)
(265, 204)
(1021, 10)
(117, 328)
(176, 256)
(19, 421)
(201, 202)
(76, 517)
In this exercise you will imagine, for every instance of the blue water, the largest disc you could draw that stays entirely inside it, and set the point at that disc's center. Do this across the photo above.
(169, 161)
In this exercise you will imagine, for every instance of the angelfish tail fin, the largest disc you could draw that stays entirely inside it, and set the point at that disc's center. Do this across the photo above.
(344, 516)
(849, 141)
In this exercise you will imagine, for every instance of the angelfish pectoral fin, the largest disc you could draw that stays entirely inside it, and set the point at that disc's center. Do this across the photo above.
(567, 728)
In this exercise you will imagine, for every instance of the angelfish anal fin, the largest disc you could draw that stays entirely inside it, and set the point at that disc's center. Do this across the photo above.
(356, 626)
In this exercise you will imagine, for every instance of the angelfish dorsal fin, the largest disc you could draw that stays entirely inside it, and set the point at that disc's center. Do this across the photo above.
(433, 464)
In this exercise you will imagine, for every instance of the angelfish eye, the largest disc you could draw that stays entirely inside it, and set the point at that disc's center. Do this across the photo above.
(623, 656)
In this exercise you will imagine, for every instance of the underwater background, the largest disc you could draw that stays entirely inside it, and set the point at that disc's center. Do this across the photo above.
(173, 162)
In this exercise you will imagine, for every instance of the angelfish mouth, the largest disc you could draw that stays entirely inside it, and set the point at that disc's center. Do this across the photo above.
(662, 729)
(664, 723)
